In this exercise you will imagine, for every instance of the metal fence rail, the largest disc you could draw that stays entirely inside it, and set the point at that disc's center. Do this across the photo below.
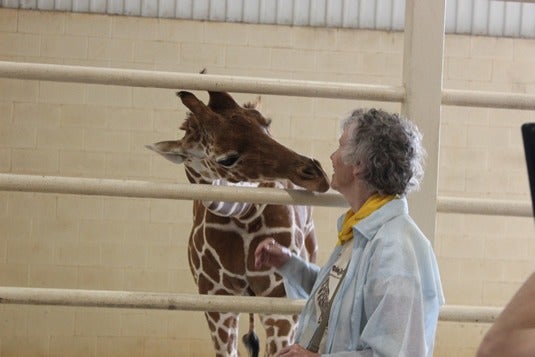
(194, 302)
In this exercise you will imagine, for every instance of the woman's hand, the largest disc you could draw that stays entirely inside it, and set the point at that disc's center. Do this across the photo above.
(270, 254)
(296, 350)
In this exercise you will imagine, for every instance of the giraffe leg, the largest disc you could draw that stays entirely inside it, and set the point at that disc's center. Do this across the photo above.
(224, 331)
(280, 331)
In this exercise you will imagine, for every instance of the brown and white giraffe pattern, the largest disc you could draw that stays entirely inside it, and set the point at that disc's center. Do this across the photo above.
(225, 143)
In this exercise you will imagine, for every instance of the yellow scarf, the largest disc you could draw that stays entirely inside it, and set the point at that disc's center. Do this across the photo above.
(373, 203)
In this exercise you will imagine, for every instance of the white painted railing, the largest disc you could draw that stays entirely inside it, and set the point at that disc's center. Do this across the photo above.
(143, 189)
(287, 87)
(194, 302)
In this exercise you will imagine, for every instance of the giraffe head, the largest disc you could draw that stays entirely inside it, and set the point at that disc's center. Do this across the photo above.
(226, 141)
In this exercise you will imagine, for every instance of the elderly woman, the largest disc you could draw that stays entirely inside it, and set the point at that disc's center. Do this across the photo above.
(379, 293)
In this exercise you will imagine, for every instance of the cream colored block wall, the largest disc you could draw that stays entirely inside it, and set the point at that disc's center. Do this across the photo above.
(70, 241)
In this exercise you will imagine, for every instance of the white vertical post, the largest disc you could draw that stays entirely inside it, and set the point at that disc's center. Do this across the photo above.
(422, 78)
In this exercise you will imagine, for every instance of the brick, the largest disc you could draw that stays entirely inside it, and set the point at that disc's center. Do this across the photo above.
(8, 20)
(456, 46)
(104, 231)
(61, 93)
(109, 96)
(29, 161)
(63, 46)
(41, 22)
(506, 249)
(100, 278)
(18, 44)
(130, 119)
(143, 232)
(36, 115)
(202, 55)
(234, 34)
(12, 275)
(83, 163)
(110, 49)
(34, 206)
(127, 166)
(153, 98)
(523, 49)
(177, 30)
(16, 136)
(53, 229)
(469, 69)
(483, 181)
(339, 62)
(77, 253)
(470, 158)
(29, 251)
(83, 116)
(362, 41)
(110, 141)
(134, 210)
(89, 321)
(75, 207)
(88, 24)
(16, 90)
(144, 323)
(72, 345)
(134, 28)
(146, 279)
(156, 52)
(51, 320)
(269, 36)
(120, 255)
(115, 345)
(248, 57)
(491, 47)
(25, 346)
(15, 227)
(291, 59)
(60, 138)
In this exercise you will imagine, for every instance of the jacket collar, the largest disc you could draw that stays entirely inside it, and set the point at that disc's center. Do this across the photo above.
(369, 226)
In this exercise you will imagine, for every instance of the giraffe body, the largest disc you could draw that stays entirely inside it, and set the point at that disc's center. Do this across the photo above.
(229, 144)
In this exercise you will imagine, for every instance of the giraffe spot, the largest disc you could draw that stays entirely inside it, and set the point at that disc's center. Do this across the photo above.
(210, 265)
(204, 284)
(230, 246)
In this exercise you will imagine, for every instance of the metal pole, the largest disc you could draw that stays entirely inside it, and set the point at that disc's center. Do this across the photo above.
(195, 81)
(422, 79)
(144, 189)
(193, 302)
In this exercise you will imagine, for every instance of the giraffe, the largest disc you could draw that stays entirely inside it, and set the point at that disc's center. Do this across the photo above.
(227, 144)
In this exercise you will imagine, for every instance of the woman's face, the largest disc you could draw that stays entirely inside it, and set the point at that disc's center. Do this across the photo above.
(343, 175)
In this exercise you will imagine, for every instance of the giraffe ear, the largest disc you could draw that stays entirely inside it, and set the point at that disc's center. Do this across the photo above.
(171, 150)
(221, 101)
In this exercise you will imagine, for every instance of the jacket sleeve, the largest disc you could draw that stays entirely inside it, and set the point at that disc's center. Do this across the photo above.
(299, 277)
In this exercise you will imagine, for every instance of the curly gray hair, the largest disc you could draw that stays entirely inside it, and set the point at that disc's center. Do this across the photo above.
(388, 146)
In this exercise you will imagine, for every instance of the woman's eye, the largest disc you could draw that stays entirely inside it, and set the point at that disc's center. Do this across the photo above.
(228, 161)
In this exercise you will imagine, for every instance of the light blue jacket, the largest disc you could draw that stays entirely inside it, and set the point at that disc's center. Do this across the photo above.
(389, 300)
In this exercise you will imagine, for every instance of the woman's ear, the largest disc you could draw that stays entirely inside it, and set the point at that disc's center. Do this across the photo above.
(356, 169)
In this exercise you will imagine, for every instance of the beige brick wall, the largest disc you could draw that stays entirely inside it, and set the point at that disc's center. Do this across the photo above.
(70, 241)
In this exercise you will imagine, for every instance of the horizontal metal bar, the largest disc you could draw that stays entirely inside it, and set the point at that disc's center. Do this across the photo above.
(484, 207)
(147, 300)
(195, 81)
(300, 88)
(193, 302)
(144, 189)
(504, 100)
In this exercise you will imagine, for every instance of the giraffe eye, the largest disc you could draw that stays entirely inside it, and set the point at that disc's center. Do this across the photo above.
(228, 160)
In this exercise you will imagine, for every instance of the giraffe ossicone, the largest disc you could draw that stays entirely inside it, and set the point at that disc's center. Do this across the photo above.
(228, 144)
